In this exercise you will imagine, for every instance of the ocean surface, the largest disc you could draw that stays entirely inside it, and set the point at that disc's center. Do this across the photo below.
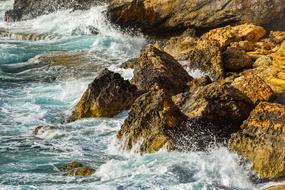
(33, 94)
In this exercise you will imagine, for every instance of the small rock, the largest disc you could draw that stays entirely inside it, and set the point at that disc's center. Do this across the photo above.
(130, 64)
(77, 169)
(236, 59)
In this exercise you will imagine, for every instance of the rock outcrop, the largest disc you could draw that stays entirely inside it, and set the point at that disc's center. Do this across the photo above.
(157, 68)
(154, 122)
(29, 9)
(262, 140)
(77, 169)
(174, 16)
(106, 96)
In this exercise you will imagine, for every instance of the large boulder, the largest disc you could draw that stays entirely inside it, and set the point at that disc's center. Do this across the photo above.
(154, 122)
(106, 96)
(165, 17)
(157, 68)
(29, 9)
(217, 103)
(262, 140)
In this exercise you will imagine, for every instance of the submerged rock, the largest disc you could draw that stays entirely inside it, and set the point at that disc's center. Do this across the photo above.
(130, 64)
(77, 169)
(157, 68)
(106, 96)
(175, 16)
(153, 123)
(262, 140)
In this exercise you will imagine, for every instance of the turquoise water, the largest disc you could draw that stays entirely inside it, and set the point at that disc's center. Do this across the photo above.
(33, 95)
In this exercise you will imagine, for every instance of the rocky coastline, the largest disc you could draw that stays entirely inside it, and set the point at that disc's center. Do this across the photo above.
(238, 45)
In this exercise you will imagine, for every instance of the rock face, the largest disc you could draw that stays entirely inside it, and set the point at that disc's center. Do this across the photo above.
(262, 140)
(254, 88)
(153, 123)
(162, 17)
(215, 102)
(157, 68)
(77, 169)
(106, 96)
(29, 9)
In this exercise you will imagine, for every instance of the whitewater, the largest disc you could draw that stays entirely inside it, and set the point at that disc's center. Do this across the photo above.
(34, 95)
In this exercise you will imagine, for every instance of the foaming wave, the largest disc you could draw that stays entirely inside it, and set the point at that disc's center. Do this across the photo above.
(4, 6)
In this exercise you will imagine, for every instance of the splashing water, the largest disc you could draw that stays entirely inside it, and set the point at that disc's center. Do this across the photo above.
(33, 95)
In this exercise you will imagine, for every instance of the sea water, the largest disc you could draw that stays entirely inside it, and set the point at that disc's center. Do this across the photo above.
(32, 95)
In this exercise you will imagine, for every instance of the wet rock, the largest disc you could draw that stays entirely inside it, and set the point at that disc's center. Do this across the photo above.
(254, 88)
(217, 103)
(179, 47)
(235, 59)
(207, 57)
(130, 64)
(159, 68)
(77, 169)
(29, 9)
(27, 36)
(153, 123)
(106, 96)
(262, 140)
(276, 187)
(167, 17)
(65, 58)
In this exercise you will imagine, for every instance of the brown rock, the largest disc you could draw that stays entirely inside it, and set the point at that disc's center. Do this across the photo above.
(130, 64)
(157, 68)
(262, 140)
(254, 88)
(106, 96)
(207, 57)
(175, 16)
(153, 123)
(77, 169)
(219, 104)
(235, 59)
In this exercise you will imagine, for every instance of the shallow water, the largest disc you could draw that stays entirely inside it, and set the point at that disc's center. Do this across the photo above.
(33, 95)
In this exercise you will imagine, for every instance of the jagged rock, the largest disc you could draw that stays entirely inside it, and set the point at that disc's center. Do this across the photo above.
(207, 57)
(179, 47)
(262, 140)
(29, 9)
(217, 103)
(77, 169)
(254, 88)
(153, 123)
(130, 64)
(175, 16)
(159, 68)
(271, 68)
(106, 96)
(236, 59)
(277, 36)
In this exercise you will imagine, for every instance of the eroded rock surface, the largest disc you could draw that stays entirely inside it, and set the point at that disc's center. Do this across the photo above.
(262, 140)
